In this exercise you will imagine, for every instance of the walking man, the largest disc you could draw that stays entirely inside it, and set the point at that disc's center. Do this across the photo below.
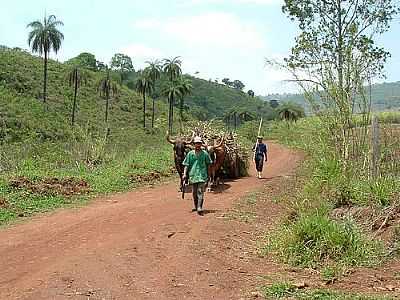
(196, 167)
(260, 153)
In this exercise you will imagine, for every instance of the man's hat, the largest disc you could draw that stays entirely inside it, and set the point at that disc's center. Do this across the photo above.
(197, 139)
(260, 137)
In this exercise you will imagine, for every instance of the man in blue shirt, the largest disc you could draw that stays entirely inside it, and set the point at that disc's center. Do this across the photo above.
(260, 153)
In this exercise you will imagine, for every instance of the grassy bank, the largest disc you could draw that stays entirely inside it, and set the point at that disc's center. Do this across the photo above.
(336, 219)
(44, 176)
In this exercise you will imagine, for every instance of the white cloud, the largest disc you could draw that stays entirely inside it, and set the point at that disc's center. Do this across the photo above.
(141, 51)
(214, 29)
(218, 45)
(147, 24)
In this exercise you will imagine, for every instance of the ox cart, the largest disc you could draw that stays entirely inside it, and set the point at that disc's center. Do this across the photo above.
(230, 158)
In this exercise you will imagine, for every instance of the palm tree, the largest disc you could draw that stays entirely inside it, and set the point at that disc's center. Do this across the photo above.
(144, 84)
(230, 116)
(107, 88)
(172, 67)
(76, 78)
(246, 116)
(227, 119)
(154, 71)
(186, 87)
(43, 38)
(290, 112)
(172, 91)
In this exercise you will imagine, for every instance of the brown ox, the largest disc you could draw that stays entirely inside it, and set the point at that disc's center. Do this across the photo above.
(181, 148)
(217, 154)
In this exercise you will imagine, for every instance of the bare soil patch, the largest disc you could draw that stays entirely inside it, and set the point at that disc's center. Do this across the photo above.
(51, 186)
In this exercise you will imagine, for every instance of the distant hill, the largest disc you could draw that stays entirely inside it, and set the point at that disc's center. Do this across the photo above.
(23, 115)
(210, 100)
(385, 96)
(214, 100)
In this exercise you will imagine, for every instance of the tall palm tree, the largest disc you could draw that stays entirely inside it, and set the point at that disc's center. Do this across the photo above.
(227, 119)
(154, 71)
(107, 88)
(186, 87)
(76, 77)
(172, 91)
(290, 112)
(232, 115)
(144, 84)
(43, 38)
(172, 67)
(245, 116)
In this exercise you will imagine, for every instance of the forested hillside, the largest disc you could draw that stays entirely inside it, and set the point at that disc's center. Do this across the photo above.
(24, 115)
(385, 96)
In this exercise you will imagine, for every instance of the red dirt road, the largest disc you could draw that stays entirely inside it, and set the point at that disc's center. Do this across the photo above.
(144, 244)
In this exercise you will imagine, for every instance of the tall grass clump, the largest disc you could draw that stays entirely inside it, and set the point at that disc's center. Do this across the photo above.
(316, 240)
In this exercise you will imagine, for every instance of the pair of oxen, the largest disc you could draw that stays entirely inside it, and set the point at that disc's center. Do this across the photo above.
(216, 151)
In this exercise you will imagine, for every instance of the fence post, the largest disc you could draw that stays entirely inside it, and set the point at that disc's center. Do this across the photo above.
(375, 154)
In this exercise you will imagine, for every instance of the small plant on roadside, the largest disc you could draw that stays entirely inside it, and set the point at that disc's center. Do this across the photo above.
(331, 273)
(279, 290)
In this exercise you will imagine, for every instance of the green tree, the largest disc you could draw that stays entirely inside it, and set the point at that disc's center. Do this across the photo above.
(172, 91)
(250, 93)
(227, 81)
(245, 116)
(144, 85)
(186, 87)
(154, 71)
(237, 84)
(84, 60)
(100, 66)
(43, 38)
(172, 67)
(231, 118)
(123, 64)
(76, 77)
(335, 56)
(290, 112)
(107, 89)
(274, 103)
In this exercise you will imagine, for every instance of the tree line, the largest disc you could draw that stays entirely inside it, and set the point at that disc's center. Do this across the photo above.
(45, 37)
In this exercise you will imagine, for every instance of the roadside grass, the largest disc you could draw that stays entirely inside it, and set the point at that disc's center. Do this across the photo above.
(107, 171)
(286, 290)
(315, 241)
(310, 237)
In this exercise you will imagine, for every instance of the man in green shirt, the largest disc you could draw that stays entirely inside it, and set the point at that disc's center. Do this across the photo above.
(196, 166)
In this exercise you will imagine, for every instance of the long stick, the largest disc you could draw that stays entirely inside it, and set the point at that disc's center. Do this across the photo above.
(259, 127)
(258, 134)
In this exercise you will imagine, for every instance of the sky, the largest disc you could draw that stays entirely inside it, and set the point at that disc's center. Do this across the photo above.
(215, 39)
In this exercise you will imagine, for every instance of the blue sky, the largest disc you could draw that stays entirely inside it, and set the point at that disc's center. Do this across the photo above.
(217, 38)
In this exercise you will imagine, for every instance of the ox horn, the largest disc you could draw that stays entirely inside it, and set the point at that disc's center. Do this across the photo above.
(221, 142)
(191, 139)
(169, 139)
(205, 144)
